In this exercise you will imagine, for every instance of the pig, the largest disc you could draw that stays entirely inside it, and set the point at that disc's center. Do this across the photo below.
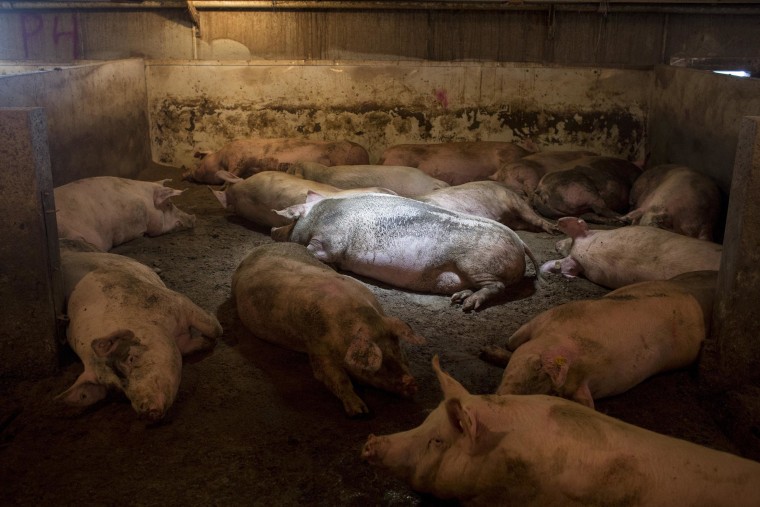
(107, 211)
(129, 330)
(538, 450)
(410, 244)
(404, 181)
(455, 162)
(523, 175)
(285, 296)
(244, 157)
(492, 200)
(257, 197)
(676, 198)
(634, 253)
(594, 188)
(590, 349)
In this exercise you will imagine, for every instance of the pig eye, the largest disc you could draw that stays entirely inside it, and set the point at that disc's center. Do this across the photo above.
(435, 442)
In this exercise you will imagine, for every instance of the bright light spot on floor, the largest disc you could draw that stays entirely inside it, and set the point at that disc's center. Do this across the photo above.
(737, 73)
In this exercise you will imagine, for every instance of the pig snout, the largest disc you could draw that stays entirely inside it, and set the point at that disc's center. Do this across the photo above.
(373, 449)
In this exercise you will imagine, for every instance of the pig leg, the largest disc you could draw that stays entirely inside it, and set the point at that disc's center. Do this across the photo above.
(495, 355)
(473, 300)
(203, 330)
(338, 382)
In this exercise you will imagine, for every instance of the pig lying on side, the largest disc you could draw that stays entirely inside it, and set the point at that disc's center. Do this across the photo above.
(676, 198)
(107, 211)
(404, 181)
(287, 297)
(523, 175)
(257, 197)
(590, 349)
(617, 257)
(536, 450)
(456, 162)
(245, 157)
(492, 200)
(595, 188)
(410, 244)
(129, 330)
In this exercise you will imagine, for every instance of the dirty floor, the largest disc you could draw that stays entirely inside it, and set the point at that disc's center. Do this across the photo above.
(251, 426)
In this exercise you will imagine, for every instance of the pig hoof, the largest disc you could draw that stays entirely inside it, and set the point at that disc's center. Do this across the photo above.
(461, 296)
(355, 408)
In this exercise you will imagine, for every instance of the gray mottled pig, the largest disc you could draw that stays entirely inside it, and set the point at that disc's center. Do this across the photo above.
(411, 244)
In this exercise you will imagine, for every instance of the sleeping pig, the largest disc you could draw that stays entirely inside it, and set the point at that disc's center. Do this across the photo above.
(257, 197)
(492, 200)
(410, 244)
(596, 348)
(107, 211)
(676, 198)
(634, 253)
(405, 181)
(129, 330)
(455, 162)
(537, 450)
(594, 188)
(523, 175)
(245, 157)
(285, 296)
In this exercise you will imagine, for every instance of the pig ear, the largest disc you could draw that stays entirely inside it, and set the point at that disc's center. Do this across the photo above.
(312, 196)
(463, 419)
(556, 366)
(291, 212)
(450, 387)
(163, 194)
(573, 226)
(228, 176)
(220, 196)
(583, 395)
(85, 391)
(107, 345)
(364, 354)
(281, 233)
(403, 331)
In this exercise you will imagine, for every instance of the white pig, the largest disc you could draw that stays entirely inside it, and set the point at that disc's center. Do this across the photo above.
(107, 211)
(410, 244)
(492, 200)
(590, 349)
(404, 181)
(257, 197)
(129, 330)
(635, 253)
(537, 450)
(287, 297)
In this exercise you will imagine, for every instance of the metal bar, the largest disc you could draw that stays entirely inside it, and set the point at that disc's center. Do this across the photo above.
(685, 6)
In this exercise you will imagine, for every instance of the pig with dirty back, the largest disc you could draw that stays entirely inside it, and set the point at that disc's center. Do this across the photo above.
(537, 450)
(634, 253)
(410, 244)
(596, 348)
(492, 200)
(404, 181)
(522, 176)
(676, 198)
(594, 188)
(257, 197)
(455, 162)
(107, 211)
(244, 157)
(287, 297)
(129, 330)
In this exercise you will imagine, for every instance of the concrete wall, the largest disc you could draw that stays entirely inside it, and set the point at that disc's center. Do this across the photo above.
(205, 105)
(571, 32)
(96, 116)
(694, 119)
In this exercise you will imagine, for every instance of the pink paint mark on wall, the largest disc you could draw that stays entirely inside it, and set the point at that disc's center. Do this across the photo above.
(441, 96)
(60, 29)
